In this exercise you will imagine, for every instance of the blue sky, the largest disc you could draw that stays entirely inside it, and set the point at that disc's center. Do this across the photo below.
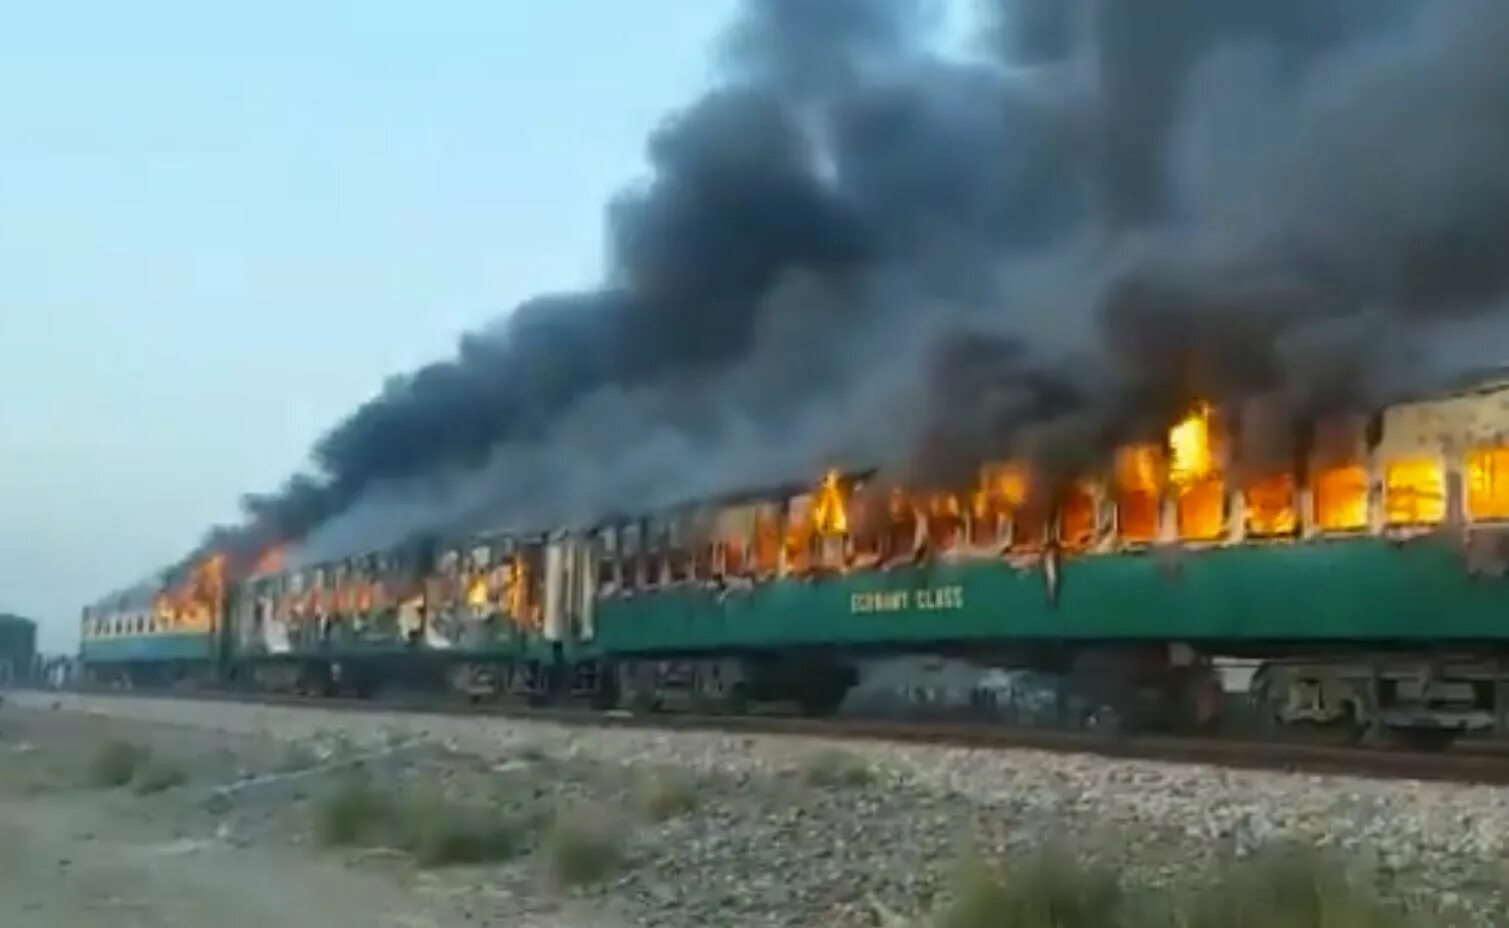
(222, 225)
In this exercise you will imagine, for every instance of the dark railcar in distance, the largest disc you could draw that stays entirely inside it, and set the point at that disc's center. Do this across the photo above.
(18, 648)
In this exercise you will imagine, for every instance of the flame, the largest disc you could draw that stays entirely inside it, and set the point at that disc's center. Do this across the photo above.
(1008, 486)
(1009, 482)
(476, 591)
(1137, 492)
(1488, 483)
(1194, 470)
(1415, 491)
(1076, 516)
(1191, 456)
(516, 589)
(1269, 505)
(828, 512)
(270, 561)
(1341, 498)
(364, 595)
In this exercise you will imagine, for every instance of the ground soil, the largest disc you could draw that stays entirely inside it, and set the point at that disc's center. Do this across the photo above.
(74, 854)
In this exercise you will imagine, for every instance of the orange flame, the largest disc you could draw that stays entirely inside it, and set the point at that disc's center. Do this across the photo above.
(270, 561)
(476, 591)
(1415, 491)
(1341, 498)
(1137, 492)
(1191, 456)
(828, 512)
(1488, 483)
(1195, 471)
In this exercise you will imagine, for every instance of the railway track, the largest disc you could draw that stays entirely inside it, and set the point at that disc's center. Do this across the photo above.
(1479, 765)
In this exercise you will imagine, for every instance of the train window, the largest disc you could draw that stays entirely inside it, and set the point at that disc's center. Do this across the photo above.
(1026, 524)
(1077, 521)
(703, 558)
(680, 560)
(631, 543)
(945, 521)
(1201, 510)
(867, 524)
(1414, 491)
(1029, 529)
(1139, 479)
(1341, 498)
(799, 534)
(767, 541)
(1488, 483)
(1269, 506)
(1195, 473)
(984, 522)
(653, 555)
(605, 551)
(899, 535)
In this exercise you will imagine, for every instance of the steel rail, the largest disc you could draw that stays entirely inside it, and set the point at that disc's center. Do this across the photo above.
(1378, 762)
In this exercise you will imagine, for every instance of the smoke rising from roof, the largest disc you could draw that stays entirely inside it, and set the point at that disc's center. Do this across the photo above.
(860, 249)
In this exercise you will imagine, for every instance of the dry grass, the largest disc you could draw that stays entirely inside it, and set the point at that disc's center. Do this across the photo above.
(1285, 889)
(1291, 887)
(835, 768)
(158, 776)
(115, 764)
(442, 834)
(664, 794)
(436, 831)
(1051, 891)
(355, 814)
(577, 852)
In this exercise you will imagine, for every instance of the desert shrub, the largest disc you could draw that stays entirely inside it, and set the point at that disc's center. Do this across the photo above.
(158, 776)
(354, 814)
(115, 764)
(1052, 890)
(577, 853)
(1281, 889)
(1290, 888)
(661, 795)
(435, 830)
(838, 769)
(440, 833)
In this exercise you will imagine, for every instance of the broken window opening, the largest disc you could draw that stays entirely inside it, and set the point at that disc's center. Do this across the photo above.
(867, 528)
(1195, 472)
(767, 542)
(1414, 492)
(900, 540)
(799, 534)
(1077, 520)
(986, 521)
(1269, 506)
(945, 521)
(1488, 483)
(1139, 479)
(1341, 498)
(1201, 511)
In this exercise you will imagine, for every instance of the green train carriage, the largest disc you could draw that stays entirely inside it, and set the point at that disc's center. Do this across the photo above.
(1379, 601)
(1365, 574)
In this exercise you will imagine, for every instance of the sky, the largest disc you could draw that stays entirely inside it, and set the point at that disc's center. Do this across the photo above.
(223, 225)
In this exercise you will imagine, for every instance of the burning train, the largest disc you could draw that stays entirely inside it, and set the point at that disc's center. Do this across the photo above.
(1362, 569)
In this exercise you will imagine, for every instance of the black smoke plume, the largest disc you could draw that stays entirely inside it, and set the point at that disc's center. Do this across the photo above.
(867, 244)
